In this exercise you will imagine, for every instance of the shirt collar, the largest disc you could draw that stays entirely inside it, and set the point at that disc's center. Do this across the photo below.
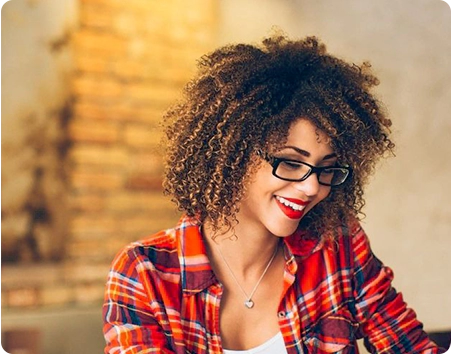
(302, 245)
(196, 271)
(299, 245)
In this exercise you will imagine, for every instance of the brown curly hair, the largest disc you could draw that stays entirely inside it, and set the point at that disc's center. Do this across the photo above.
(244, 100)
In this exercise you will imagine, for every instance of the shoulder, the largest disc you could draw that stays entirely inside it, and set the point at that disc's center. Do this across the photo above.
(350, 234)
(143, 271)
(161, 242)
(155, 251)
(159, 250)
(348, 242)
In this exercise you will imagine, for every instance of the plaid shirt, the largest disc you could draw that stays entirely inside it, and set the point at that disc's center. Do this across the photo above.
(163, 297)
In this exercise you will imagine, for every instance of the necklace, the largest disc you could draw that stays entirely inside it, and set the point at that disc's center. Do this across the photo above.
(249, 303)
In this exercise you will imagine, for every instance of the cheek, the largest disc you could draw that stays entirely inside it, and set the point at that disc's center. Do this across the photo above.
(323, 194)
(262, 182)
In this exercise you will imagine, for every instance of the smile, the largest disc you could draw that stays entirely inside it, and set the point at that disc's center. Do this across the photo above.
(290, 204)
(292, 208)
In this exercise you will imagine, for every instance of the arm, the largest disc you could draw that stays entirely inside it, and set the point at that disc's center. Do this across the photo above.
(387, 324)
(129, 312)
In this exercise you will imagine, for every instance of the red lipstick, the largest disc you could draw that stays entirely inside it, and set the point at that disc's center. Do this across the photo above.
(290, 212)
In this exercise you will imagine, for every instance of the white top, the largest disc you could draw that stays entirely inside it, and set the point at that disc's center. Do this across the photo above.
(275, 345)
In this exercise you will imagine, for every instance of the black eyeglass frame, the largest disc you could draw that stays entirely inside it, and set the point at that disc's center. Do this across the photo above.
(275, 162)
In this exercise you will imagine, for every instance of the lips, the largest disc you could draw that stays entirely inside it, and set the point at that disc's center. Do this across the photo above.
(291, 207)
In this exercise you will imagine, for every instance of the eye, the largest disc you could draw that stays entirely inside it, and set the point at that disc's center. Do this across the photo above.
(290, 165)
(329, 171)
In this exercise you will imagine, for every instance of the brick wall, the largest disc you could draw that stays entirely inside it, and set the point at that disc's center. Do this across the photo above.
(131, 60)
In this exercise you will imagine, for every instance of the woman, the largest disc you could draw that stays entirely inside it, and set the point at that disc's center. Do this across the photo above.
(268, 155)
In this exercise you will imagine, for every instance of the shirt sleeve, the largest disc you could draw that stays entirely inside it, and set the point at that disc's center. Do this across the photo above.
(130, 322)
(387, 324)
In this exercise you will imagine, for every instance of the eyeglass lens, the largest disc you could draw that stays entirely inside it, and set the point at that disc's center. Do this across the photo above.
(293, 170)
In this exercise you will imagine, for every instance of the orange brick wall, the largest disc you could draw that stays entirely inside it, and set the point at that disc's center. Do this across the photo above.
(131, 60)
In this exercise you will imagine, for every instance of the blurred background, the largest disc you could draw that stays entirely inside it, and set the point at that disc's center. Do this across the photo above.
(84, 86)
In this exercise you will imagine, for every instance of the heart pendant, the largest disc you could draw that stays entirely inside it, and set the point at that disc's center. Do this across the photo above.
(249, 304)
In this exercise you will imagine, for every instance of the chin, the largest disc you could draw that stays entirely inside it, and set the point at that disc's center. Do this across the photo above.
(286, 230)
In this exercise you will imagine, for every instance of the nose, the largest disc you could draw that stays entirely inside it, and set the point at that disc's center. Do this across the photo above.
(310, 186)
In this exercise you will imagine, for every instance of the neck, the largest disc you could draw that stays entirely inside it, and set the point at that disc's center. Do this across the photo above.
(246, 251)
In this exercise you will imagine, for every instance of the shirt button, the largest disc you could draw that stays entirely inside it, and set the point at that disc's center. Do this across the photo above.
(281, 314)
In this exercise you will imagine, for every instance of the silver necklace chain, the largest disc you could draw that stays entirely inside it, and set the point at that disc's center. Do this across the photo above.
(249, 303)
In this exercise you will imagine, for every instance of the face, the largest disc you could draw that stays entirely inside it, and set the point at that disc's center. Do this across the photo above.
(276, 206)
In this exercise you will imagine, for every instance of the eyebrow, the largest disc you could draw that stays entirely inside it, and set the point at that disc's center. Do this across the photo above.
(307, 154)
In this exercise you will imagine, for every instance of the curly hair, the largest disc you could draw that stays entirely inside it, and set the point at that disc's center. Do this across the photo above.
(244, 100)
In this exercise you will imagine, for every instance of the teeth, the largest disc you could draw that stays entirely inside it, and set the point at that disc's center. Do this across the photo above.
(290, 204)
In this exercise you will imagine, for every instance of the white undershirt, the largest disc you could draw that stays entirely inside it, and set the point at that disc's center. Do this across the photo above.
(275, 345)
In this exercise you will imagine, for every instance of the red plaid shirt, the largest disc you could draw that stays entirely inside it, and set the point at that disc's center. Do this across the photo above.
(163, 297)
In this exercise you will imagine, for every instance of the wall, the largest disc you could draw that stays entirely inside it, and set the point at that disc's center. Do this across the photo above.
(36, 63)
(408, 217)
(96, 75)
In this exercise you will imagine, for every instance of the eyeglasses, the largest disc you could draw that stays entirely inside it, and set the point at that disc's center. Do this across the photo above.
(297, 171)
